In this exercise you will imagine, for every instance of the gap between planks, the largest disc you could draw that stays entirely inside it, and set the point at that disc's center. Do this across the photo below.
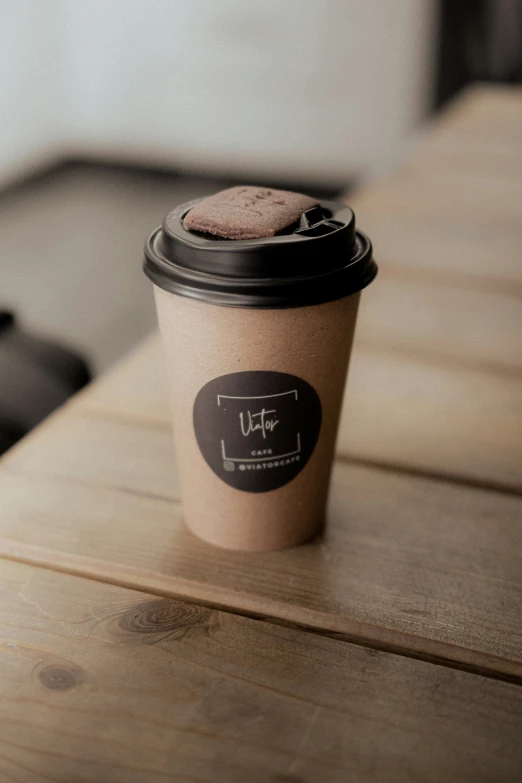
(431, 475)
(346, 458)
(176, 588)
(432, 357)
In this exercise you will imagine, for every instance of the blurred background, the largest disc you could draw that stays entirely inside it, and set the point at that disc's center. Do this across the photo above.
(113, 112)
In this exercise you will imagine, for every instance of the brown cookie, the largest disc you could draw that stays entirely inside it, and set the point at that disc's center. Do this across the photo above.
(248, 212)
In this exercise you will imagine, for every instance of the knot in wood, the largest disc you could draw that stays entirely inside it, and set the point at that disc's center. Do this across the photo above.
(162, 615)
(58, 677)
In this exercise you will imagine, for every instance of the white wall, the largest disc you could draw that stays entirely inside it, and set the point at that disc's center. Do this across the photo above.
(292, 88)
(32, 82)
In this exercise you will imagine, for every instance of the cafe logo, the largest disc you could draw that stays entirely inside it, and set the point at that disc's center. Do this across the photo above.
(258, 429)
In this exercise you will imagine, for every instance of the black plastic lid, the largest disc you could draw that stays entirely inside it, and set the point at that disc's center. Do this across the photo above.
(318, 259)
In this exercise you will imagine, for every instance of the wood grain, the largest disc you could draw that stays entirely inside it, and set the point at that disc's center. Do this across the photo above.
(135, 388)
(102, 683)
(454, 200)
(454, 206)
(462, 327)
(450, 254)
(415, 564)
(411, 414)
(459, 152)
(105, 451)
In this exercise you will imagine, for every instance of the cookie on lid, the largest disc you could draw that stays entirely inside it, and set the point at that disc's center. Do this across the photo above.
(248, 212)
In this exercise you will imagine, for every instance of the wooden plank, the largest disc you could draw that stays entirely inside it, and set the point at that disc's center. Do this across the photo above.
(442, 421)
(486, 153)
(135, 388)
(436, 300)
(489, 113)
(409, 563)
(446, 421)
(103, 452)
(455, 201)
(450, 253)
(103, 683)
(450, 282)
(460, 326)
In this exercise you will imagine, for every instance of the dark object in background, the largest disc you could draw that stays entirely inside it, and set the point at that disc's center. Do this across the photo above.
(480, 40)
(36, 376)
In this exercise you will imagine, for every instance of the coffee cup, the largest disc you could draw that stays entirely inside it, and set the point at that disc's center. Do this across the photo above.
(257, 336)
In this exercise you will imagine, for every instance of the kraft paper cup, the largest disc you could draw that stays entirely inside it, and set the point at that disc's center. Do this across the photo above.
(256, 364)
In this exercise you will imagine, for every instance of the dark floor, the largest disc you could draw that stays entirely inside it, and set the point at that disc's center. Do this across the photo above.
(70, 253)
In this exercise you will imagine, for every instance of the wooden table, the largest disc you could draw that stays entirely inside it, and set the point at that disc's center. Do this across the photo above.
(390, 651)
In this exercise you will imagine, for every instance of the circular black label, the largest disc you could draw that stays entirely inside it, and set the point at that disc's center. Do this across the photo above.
(257, 430)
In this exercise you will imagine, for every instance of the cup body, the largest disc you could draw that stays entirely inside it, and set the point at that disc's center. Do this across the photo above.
(256, 397)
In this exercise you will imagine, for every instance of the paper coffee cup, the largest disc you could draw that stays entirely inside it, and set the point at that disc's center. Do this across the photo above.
(257, 337)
